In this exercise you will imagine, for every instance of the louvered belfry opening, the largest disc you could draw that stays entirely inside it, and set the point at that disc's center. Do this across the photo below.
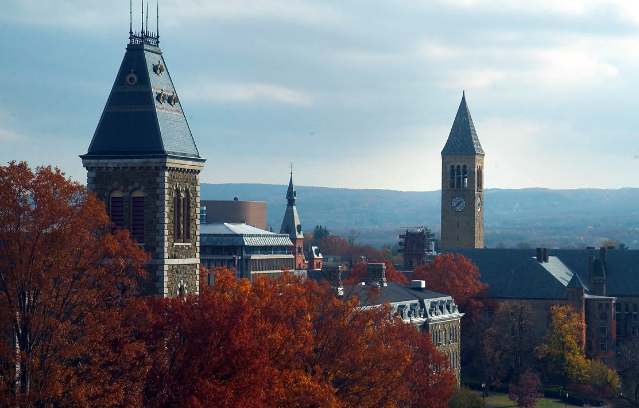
(187, 215)
(116, 209)
(137, 216)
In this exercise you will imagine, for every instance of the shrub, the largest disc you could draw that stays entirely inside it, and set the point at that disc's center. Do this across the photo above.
(465, 398)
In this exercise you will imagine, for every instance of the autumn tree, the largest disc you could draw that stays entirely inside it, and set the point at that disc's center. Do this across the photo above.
(358, 273)
(627, 363)
(64, 281)
(526, 391)
(336, 245)
(565, 345)
(454, 275)
(318, 234)
(511, 340)
(604, 380)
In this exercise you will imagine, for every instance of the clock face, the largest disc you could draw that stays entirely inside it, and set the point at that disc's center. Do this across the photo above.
(478, 204)
(458, 204)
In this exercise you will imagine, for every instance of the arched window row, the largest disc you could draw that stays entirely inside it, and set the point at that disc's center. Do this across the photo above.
(136, 212)
(458, 176)
(182, 215)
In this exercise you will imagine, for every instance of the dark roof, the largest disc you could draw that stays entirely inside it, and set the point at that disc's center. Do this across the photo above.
(395, 292)
(496, 265)
(463, 137)
(575, 283)
(136, 121)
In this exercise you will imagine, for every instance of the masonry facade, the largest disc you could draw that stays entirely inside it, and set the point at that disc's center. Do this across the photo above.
(462, 215)
(144, 164)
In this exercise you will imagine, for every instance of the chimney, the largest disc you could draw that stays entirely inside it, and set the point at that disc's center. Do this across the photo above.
(540, 255)
(603, 251)
(591, 271)
(333, 274)
(545, 252)
(418, 284)
(376, 273)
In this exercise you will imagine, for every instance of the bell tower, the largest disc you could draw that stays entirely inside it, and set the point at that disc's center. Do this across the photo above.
(462, 213)
(144, 165)
(292, 227)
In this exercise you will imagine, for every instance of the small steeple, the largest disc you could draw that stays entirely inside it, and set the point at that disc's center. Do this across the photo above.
(291, 194)
(463, 137)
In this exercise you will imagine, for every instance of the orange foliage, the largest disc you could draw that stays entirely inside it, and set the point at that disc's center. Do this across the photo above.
(64, 279)
(454, 275)
(289, 343)
(358, 273)
(336, 245)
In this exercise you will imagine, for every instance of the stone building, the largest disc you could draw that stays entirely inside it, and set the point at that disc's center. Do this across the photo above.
(431, 312)
(462, 216)
(144, 164)
(248, 250)
(602, 283)
(292, 226)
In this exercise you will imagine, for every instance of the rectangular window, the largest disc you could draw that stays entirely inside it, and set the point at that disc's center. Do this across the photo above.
(603, 346)
(117, 212)
(627, 307)
(618, 307)
(603, 331)
(137, 219)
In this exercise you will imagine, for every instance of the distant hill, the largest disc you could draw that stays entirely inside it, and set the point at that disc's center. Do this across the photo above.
(553, 218)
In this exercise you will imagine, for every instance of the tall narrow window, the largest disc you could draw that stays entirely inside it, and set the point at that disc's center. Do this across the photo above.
(480, 181)
(458, 177)
(465, 177)
(177, 214)
(187, 215)
(116, 210)
(452, 176)
(137, 216)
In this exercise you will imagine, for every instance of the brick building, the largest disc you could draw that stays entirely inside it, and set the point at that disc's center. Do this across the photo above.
(144, 164)
(292, 227)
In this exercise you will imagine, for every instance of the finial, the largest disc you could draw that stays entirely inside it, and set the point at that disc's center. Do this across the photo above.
(291, 169)
(463, 94)
(147, 15)
(130, 18)
(142, 32)
(157, 20)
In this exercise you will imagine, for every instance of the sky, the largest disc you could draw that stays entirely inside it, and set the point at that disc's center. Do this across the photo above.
(355, 93)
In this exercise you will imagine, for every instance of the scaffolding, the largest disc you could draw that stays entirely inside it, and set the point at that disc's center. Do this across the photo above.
(416, 243)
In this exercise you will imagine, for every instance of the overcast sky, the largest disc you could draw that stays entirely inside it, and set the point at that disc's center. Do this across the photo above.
(356, 93)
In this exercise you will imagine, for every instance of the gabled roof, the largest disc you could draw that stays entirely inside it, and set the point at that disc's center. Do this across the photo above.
(463, 137)
(622, 267)
(575, 283)
(143, 115)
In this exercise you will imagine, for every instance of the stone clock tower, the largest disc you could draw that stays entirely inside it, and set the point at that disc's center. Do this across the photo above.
(462, 185)
(144, 165)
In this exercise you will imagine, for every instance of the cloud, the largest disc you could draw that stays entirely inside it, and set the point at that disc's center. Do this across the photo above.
(93, 16)
(246, 92)
(9, 136)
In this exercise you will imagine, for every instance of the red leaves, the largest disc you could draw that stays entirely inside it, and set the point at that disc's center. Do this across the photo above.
(63, 284)
(288, 343)
(454, 275)
(358, 273)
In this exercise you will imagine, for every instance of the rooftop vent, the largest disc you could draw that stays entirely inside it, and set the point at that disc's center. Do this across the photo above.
(418, 284)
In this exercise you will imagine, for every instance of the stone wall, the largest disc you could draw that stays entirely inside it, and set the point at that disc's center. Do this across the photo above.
(441, 336)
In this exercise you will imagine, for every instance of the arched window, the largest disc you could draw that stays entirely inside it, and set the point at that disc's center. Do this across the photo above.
(116, 209)
(452, 176)
(465, 177)
(187, 215)
(177, 214)
(458, 177)
(137, 216)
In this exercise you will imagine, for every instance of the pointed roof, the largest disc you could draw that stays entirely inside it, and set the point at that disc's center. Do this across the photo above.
(143, 115)
(463, 137)
(291, 224)
(575, 283)
(290, 193)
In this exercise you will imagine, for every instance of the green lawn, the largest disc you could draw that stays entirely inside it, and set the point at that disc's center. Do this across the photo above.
(501, 400)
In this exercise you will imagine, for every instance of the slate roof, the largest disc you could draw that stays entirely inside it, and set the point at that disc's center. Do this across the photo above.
(136, 121)
(395, 292)
(291, 224)
(497, 266)
(227, 234)
(463, 137)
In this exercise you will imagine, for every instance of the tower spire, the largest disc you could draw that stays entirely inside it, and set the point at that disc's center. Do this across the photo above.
(147, 15)
(142, 31)
(130, 19)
